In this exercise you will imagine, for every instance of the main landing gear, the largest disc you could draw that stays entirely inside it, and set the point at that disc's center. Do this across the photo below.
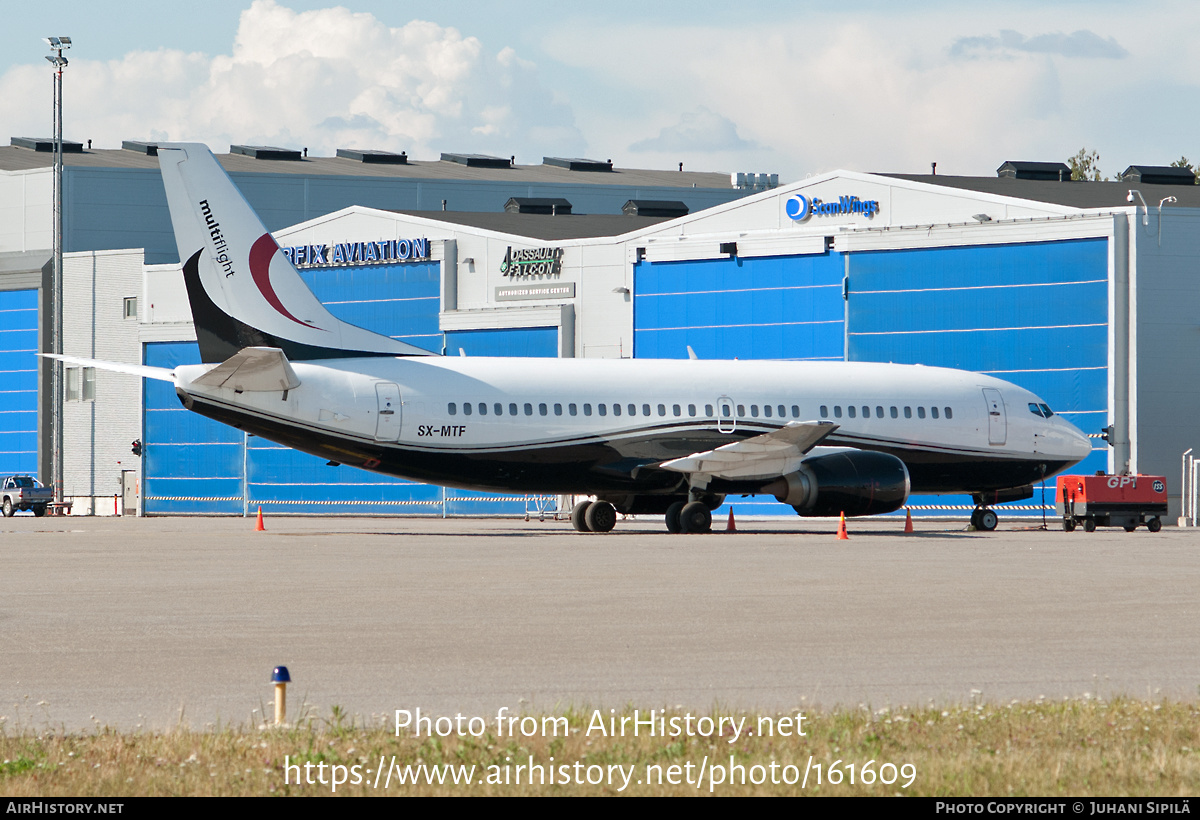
(689, 517)
(594, 516)
(984, 519)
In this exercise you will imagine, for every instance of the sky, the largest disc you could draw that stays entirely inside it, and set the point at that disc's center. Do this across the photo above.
(794, 88)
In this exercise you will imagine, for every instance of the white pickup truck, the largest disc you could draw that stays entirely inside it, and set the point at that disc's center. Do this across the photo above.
(22, 492)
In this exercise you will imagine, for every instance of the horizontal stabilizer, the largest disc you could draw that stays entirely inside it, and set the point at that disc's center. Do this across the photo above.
(253, 370)
(145, 371)
(771, 454)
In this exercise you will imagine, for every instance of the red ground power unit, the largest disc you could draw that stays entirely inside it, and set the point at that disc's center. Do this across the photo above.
(1111, 501)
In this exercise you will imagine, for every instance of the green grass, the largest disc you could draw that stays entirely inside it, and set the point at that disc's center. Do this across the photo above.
(1076, 747)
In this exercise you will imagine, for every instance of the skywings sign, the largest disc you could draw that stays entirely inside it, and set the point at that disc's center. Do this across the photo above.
(799, 207)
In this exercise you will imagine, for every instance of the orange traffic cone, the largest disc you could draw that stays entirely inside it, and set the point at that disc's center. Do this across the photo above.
(258, 527)
(908, 520)
(842, 529)
(731, 527)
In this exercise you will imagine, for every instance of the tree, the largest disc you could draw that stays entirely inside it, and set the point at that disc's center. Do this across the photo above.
(1085, 166)
(1182, 162)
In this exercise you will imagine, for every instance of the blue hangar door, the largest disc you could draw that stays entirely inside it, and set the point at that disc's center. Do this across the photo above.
(773, 307)
(1033, 314)
(194, 465)
(18, 381)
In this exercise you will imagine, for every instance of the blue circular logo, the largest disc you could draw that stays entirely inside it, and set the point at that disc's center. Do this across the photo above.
(798, 208)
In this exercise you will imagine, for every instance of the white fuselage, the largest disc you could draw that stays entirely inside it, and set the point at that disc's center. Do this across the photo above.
(577, 425)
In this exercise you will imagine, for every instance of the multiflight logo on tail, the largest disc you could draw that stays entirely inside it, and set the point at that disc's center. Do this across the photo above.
(799, 207)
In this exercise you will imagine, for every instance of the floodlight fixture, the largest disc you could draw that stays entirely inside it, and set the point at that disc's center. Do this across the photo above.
(1146, 211)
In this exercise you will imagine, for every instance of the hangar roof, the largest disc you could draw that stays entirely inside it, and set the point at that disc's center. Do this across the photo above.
(541, 226)
(1070, 194)
(13, 158)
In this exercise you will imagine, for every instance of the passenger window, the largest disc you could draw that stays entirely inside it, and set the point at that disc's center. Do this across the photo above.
(767, 410)
(542, 409)
(645, 409)
(632, 409)
(587, 409)
(949, 414)
(837, 411)
(741, 411)
(557, 409)
(754, 410)
(483, 408)
(602, 409)
(866, 412)
(676, 410)
(498, 408)
(708, 410)
(572, 409)
(851, 411)
(725, 410)
(895, 412)
(662, 409)
(528, 409)
(920, 412)
(512, 409)
(692, 410)
(824, 412)
(908, 412)
(466, 408)
(616, 409)
(452, 408)
(795, 411)
(782, 411)
(878, 412)
(933, 411)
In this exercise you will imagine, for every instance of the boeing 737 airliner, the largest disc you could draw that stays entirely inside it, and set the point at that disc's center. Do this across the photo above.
(642, 436)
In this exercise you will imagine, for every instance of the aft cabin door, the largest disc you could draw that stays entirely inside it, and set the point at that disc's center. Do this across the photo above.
(997, 422)
(726, 418)
(387, 428)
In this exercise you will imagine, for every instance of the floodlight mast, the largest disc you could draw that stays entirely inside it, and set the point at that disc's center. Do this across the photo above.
(58, 45)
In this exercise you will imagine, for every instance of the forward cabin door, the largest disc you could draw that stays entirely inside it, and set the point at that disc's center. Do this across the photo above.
(388, 426)
(997, 422)
(726, 415)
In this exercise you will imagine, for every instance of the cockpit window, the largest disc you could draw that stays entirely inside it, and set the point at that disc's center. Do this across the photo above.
(1046, 411)
(1035, 409)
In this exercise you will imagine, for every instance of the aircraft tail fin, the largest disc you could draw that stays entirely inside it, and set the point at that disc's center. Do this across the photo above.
(243, 291)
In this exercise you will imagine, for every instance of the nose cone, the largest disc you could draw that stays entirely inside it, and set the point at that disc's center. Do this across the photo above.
(1076, 445)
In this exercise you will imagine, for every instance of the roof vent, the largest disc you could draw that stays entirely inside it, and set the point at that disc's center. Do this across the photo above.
(1045, 171)
(537, 205)
(654, 207)
(150, 149)
(1158, 175)
(264, 152)
(46, 144)
(754, 182)
(369, 157)
(578, 163)
(477, 160)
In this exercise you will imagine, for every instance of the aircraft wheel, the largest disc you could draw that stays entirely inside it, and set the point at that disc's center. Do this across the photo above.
(1130, 527)
(695, 517)
(987, 520)
(579, 516)
(1068, 525)
(8, 508)
(1089, 525)
(1154, 524)
(600, 516)
(975, 518)
(673, 523)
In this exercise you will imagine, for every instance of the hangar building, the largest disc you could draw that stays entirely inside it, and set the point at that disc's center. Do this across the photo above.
(1065, 288)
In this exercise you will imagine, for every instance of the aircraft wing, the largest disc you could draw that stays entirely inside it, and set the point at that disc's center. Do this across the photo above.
(770, 454)
(145, 371)
(253, 370)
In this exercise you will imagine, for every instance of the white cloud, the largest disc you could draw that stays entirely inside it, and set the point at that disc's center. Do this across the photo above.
(701, 130)
(320, 79)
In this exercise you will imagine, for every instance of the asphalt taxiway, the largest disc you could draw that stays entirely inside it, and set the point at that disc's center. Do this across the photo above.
(133, 622)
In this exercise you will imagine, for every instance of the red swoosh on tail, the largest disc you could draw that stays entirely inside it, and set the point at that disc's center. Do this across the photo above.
(261, 254)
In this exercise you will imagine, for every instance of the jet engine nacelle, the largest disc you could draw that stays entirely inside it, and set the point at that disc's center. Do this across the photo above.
(857, 482)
